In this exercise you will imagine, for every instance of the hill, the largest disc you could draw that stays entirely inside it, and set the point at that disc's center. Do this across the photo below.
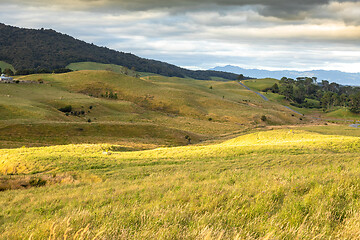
(176, 107)
(48, 49)
(332, 76)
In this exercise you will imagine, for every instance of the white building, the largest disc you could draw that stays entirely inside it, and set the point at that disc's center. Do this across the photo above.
(3, 78)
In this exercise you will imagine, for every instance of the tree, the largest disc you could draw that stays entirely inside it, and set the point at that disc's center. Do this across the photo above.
(343, 99)
(240, 77)
(355, 103)
(335, 99)
(8, 72)
(283, 80)
(325, 85)
(326, 100)
(275, 88)
(299, 94)
(286, 90)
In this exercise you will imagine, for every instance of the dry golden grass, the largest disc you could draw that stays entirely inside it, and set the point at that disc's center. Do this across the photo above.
(283, 184)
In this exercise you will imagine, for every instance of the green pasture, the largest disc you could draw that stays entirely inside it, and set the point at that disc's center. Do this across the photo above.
(280, 184)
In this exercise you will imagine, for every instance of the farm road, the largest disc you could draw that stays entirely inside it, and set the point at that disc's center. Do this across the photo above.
(266, 99)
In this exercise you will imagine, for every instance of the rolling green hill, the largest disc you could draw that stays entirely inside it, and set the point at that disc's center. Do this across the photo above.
(96, 66)
(4, 65)
(260, 84)
(201, 109)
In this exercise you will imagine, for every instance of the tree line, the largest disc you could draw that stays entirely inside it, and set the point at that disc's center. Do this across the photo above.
(9, 72)
(302, 90)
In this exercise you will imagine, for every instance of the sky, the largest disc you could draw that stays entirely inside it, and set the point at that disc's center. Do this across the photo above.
(262, 34)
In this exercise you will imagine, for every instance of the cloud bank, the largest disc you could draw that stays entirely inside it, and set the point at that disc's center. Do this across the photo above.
(269, 34)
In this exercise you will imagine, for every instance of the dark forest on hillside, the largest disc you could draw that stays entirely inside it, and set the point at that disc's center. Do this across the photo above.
(48, 49)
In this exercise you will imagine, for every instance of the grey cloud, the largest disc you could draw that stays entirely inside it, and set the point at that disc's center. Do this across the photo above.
(215, 33)
(288, 9)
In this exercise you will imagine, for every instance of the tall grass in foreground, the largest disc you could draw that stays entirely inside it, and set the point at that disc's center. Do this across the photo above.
(270, 185)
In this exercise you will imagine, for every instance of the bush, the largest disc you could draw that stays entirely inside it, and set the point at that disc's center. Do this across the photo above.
(37, 182)
(263, 118)
(188, 138)
(66, 109)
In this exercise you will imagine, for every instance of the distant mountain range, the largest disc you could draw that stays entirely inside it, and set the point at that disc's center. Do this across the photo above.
(48, 49)
(332, 76)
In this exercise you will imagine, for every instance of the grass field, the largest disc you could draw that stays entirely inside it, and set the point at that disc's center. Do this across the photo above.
(98, 66)
(4, 65)
(125, 169)
(280, 184)
(260, 84)
(201, 109)
(340, 113)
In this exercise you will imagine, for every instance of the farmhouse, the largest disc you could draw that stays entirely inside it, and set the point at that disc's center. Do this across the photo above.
(5, 79)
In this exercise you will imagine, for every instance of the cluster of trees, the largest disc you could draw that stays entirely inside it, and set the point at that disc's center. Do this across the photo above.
(9, 72)
(48, 49)
(36, 71)
(69, 110)
(110, 95)
(302, 90)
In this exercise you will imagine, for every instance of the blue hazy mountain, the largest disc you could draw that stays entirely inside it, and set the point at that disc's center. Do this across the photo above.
(332, 76)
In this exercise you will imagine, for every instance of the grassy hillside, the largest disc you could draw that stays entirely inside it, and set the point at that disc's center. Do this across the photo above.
(260, 84)
(283, 184)
(96, 66)
(339, 113)
(4, 65)
(201, 109)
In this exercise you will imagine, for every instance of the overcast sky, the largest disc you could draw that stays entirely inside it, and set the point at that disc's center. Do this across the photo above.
(264, 34)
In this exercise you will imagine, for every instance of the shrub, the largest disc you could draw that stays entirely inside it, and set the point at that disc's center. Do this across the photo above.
(263, 118)
(37, 182)
(66, 109)
(188, 138)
